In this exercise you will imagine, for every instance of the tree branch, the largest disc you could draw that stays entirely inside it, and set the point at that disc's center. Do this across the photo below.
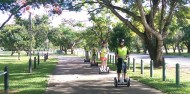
(125, 21)
(169, 18)
(143, 18)
(154, 8)
(163, 11)
(14, 14)
(138, 18)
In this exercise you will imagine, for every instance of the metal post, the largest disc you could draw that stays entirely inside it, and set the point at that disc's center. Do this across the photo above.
(34, 62)
(164, 70)
(142, 67)
(30, 65)
(114, 58)
(128, 63)
(47, 55)
(38, 59)
(110, 58)
(134, 65)
(44, 57)
(6, 80)
(177, 74)
(151, 68)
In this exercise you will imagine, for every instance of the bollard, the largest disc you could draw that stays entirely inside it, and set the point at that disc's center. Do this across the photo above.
(134, 65)
(38, 59)
(151, 68)
(34, 62)
(142, 67)
(44, 57)
(6, 80)
(110, 58)
(114, 59)
(177, 74)
(129, 63)
(30, 65)
(163, 70)
(47, 56)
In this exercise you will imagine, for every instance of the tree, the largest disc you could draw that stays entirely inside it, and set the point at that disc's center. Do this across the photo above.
(64, 37)
(186, 37)
(119, 31)
(14, 38)
(155, 16)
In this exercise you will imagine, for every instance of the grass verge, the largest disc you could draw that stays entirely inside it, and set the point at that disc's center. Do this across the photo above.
(23, 82)
(169, 86)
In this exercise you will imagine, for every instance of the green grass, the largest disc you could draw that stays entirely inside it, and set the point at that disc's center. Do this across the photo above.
(169, 86)
(177, 54)
(23, 82)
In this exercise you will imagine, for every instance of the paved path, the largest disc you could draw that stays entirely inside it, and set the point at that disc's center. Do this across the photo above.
(72, 76)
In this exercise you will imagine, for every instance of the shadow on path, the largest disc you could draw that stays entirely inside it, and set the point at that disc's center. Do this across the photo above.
(73, 76)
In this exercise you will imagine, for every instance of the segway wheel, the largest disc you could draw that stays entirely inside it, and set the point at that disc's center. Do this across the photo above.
(128, 83)
(90, 64)
(108, 69)
(97, 64)
(115, 82)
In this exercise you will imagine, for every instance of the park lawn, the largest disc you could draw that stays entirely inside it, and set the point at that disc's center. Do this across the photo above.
(177, 54)
(169, 86)
(23, 82)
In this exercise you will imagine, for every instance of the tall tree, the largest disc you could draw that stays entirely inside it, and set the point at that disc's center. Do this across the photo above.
(14, 38)
(119, 31)
(154, 15)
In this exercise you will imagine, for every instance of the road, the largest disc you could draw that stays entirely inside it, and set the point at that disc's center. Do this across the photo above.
(170, 60)
(73, 76)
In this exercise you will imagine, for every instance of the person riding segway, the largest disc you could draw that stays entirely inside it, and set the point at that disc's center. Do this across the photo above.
(121, 55)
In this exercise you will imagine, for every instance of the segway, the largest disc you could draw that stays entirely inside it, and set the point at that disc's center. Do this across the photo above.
(94, 64)
(94, 60)
(86, 60)
(104, 71)
(116, 83)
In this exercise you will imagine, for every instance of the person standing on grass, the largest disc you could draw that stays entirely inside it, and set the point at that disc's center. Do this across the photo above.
(121, 55)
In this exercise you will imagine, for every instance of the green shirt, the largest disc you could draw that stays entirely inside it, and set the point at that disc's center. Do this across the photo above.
(122, 52)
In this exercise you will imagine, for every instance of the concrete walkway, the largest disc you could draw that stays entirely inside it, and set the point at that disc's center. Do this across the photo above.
(73, 76)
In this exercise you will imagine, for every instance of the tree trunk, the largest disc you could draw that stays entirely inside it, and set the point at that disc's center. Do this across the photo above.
(166, 50)
(178, 48)
(174, 48)
(12, 53)
(72, 50)
(65, 50)
(181, 48)
(60, 48)
(18, 55)
(188, 47)
(155, 50)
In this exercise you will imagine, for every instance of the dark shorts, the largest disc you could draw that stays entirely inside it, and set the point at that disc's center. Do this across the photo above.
(119, 66)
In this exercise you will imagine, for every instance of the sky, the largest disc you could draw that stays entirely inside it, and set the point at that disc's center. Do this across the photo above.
(55, 20)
